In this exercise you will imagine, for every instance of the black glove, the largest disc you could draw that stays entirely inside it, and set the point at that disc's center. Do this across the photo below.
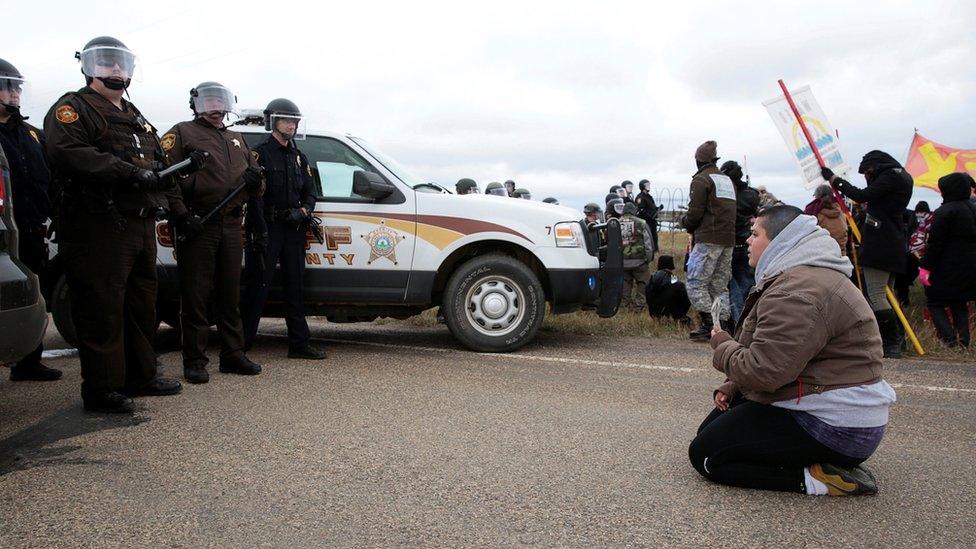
(252, 178)
(145, 180)
(197, 160)
(188, 226)
(826, 173)
(295, 217)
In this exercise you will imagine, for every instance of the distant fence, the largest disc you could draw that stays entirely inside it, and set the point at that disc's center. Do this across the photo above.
(675, 202)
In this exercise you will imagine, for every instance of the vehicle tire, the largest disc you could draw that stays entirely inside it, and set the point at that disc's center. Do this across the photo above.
(61, 311)
(494, 303)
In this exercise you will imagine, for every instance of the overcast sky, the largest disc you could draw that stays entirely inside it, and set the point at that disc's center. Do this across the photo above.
(565, 98)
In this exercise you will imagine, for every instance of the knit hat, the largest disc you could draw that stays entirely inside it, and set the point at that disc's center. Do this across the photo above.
(707, 152)
(665, 262)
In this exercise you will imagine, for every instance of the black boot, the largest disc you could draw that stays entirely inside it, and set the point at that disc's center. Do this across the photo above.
(196, 374)
(33, 372)
(888, 326)
(158, 386)
(704, 331)
(239, 364)
(308, 352)
(110, 403)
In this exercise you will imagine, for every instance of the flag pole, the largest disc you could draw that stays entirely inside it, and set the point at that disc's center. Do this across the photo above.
(850, 219)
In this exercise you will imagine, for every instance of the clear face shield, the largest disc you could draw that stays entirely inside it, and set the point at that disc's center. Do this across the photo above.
(214, 99)
(629, 188)
(12, 91)
(622, 192)
(109, 62)
(289, 126)
(474, 190)
(497, 191)
(526, 196)
(618, 208)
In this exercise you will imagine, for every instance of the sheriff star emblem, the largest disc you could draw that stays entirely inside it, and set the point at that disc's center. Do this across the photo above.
(382, 243)
(236, 143)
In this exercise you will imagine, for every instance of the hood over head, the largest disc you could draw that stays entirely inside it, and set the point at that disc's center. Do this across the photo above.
(956, 186)
(877, 161)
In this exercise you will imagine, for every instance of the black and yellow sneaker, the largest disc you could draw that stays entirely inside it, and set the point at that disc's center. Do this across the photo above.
(845, 482)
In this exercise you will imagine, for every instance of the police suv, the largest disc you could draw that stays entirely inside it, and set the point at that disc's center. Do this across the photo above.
(393, 248)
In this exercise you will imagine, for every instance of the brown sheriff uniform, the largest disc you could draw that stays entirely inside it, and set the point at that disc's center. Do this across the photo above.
(213, 258)
(107, 236)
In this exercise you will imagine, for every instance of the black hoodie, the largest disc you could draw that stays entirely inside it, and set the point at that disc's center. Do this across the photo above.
(884, 239)
(951, 251)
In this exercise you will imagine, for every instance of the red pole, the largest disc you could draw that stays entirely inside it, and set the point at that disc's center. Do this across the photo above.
(813, 147)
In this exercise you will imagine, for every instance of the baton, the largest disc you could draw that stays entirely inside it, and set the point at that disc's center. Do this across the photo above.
(236, 191)
(178, 166)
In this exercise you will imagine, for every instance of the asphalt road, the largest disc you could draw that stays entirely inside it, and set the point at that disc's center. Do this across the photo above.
(402, 438)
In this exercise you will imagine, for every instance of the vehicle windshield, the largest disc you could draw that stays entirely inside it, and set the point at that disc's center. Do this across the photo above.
(402, 173)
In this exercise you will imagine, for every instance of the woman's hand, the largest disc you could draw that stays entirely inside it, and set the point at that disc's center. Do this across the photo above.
(716, 329)
(722, 400)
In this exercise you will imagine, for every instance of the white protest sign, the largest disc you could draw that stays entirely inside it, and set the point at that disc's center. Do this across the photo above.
(820, 130)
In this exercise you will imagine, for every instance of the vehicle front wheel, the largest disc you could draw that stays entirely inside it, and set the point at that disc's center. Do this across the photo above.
(494, 303)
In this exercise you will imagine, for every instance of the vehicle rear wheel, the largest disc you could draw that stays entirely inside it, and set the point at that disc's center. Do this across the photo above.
(61, 311)
(494, 303)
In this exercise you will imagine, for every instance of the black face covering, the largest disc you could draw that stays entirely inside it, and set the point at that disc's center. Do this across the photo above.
(12, 110)
(115, 83)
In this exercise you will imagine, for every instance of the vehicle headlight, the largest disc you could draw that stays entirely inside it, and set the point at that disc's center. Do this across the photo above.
(569, 234)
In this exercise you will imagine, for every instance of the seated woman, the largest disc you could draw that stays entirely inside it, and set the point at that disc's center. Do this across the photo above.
(804, 403)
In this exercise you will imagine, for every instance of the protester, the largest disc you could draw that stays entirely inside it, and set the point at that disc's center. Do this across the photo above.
(746, 208)
(766, 198)
(665, 294)
(949, 259)
(804, 403)
(919, 222)
(711, 221)
(883, 243)
(829, 216)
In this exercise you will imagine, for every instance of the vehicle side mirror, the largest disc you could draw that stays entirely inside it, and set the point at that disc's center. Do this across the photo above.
(371, 185)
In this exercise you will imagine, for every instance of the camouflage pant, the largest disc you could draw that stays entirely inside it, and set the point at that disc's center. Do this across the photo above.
(709, 272)
(635, 287)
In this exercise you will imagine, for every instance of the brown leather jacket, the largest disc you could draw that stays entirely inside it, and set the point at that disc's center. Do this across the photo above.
(229, 157)
(830, 218)
(711, 208)
(806, 330)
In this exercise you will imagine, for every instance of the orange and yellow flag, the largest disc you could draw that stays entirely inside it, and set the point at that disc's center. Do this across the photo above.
(928, 161)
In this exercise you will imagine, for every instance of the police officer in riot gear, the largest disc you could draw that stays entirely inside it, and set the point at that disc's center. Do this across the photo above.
(592, 212)
(647, 209)
(104, 156)
(638, 250)
(615, 206)
(496, 189)
(209, 253)
(522, 193)
(29, 181)
(551, 200)
(628, 187)
(288, 207)
(466, 186)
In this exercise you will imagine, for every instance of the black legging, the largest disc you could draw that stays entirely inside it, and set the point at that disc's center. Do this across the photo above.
(759, 446)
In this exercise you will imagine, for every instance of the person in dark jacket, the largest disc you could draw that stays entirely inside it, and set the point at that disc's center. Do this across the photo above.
(746, 208)
(883, 242)
(950, 257)
(647, 209)
(29, 178)
(665, 294)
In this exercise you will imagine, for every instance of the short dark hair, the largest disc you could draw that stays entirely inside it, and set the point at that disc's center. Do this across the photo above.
(776, 218)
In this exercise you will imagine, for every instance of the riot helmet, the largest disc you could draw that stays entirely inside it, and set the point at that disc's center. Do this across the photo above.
(11, 87)
(592, 207)
(283, 116)
(551, 200)
(615, 207)
(212, 97)
(644, 185)
(496, 189)
(628, 186)
(522, 193)
(108, 60)
(467, 186)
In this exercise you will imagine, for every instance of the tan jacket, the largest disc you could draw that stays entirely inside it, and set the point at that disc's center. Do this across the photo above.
(229, 157)
(806, 330)
(711, 208)
(832, 219)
